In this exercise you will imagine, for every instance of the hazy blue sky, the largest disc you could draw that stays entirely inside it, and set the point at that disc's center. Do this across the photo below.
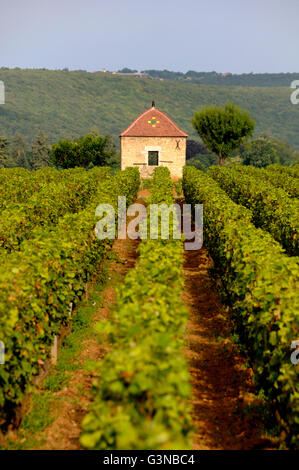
(204, 35)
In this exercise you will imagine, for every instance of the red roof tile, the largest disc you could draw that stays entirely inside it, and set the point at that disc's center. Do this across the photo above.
(153, 123)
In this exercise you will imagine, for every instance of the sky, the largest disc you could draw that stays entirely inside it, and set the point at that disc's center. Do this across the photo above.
(237, 36)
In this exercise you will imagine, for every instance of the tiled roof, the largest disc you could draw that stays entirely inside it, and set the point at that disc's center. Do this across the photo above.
(153, 123)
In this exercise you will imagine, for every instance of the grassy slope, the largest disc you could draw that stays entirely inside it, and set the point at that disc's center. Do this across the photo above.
(67, 104)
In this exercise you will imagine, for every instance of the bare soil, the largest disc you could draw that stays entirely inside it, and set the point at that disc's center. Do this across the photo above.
(224, 403)
(64, 432)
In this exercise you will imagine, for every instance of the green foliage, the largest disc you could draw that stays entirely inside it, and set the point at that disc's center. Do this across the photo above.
(260, 283)
(227, 79)
(19, 184)
(194, 148)
(69, 192)
(66, 105)
(55, 381)
(83, 151)
(146, 183)
(38, 417)
(178, 187)
(40, 152)
(38, 283)
(161, 187)
(292, 171)
(4, 153)
(19, 154)
(127, 70)
(203, 162)
(223, 129)
(286, 154)
(43, 406)
(260, 153)
(280, 179)
(141, 397)
(36, 420)
(128, 183)
(272, 209)
(18, 148)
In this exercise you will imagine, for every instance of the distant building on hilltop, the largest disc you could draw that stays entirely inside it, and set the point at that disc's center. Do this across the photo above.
(133, 74)
(152, 140)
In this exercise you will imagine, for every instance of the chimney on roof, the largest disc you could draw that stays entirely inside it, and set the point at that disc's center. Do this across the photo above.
(153, 104)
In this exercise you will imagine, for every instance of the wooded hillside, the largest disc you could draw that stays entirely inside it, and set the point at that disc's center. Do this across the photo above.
(67, 104)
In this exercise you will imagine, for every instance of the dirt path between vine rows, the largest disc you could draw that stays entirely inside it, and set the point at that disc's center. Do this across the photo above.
(64, 432)
(74, 399)
(224, 405)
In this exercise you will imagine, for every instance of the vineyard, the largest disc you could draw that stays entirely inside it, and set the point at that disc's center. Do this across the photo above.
(170, 334)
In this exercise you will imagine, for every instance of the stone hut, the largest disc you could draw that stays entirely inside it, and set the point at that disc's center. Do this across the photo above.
(152, 140)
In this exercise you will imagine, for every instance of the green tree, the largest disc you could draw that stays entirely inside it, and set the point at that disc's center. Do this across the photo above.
(18, 151)
(223, 129)
(5, 160)
(194, 148)
(127, 70)
(203, 161)
(260, 153)
(40, 156)
(287, 155)
(65, 154)
(89, 149)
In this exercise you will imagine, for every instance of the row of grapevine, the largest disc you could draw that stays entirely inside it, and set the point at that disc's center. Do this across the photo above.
(18, 184)
(290, 184)
(161, 187)
(277, 178)
(70, 192)
(260, 283)
(38, 283)
(272, 209)
(292, 171)
(141, 399)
